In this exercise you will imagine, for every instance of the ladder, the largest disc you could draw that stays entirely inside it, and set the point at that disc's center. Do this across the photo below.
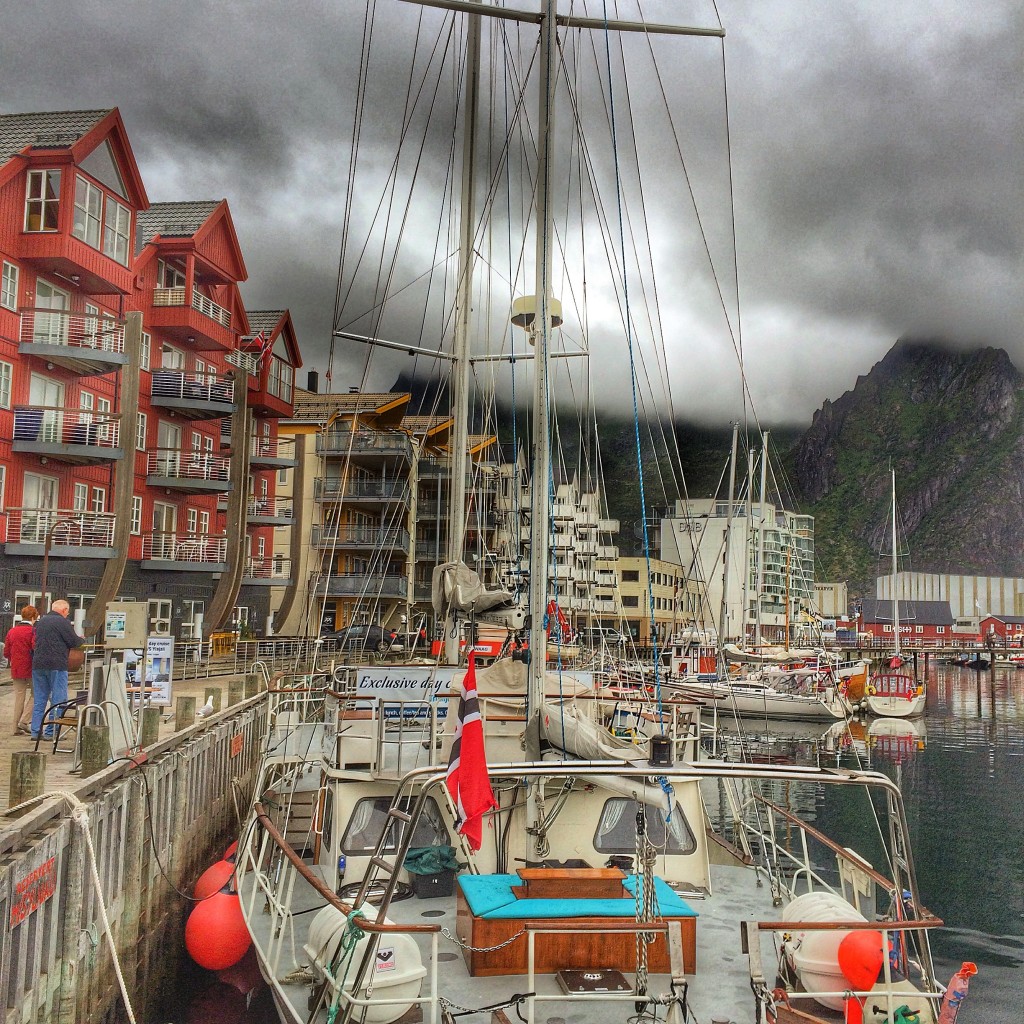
(405, 811)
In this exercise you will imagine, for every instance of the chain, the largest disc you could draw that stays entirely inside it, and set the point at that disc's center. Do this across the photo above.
(516, 1000)
(481, 949)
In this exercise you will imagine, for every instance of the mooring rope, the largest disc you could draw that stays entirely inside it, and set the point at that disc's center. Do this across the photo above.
(80, 815)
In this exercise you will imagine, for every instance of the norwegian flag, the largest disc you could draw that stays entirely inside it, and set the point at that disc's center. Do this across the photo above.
(467, 779)
(266, 342)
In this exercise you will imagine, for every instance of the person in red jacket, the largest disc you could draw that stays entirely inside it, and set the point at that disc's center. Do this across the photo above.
(18, 646)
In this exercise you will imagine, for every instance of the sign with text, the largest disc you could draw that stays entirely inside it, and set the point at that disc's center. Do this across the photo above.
(420, 683)
(159, 669)
(34, 890)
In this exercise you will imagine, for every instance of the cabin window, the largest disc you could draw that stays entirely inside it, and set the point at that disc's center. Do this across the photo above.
(42, 200)
(616, 829)
(369, 817)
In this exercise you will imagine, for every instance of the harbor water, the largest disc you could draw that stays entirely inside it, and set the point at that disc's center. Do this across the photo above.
(961, 770)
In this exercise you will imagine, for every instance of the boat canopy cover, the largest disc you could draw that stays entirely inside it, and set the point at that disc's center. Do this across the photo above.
(508, 678)
(456, 587)
(768, 655)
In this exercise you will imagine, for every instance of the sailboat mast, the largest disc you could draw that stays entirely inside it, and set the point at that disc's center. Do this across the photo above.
(895, 570)
(457, 461)
(723, 611)
(760, 539)
(541, 329)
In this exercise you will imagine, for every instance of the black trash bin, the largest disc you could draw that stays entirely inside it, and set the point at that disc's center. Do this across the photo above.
(432, 871)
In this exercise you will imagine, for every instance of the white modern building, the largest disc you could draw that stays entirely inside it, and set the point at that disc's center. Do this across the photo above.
(766, 571)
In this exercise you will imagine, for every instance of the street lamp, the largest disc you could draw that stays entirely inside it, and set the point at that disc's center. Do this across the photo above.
(47, 544)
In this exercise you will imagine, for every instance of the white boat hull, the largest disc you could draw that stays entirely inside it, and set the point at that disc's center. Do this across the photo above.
(765, 702)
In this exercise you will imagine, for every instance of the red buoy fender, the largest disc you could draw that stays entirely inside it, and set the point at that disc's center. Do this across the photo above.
(213, 879)
(215, 934)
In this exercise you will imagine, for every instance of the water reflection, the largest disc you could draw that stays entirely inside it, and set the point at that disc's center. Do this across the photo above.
(961, 771)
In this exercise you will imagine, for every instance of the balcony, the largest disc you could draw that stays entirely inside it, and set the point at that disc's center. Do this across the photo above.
(197, 396)
(267, 572)
(361, 443)
(191, 472)
(73, 533)
(608, 525)
(85, 345)
(269, 511)
(193, 318)
(370, 492)
(421, 592)
(361, 538)
(184, 552)
(93, 272)
(74, 436)
(271, 452)
(436, 549)
(363, 585)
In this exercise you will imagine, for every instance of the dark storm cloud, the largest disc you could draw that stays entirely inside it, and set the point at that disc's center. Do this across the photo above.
(877, 153)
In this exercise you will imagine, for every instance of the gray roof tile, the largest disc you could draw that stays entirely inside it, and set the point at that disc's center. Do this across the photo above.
(55, 129)
(180, 220)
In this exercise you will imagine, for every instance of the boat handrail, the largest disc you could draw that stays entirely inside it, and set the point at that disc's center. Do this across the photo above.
(879, 879)
(307, 874)
(826, 926)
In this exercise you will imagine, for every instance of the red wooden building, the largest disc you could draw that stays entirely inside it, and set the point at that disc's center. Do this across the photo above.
(121, 442)
(919, 621)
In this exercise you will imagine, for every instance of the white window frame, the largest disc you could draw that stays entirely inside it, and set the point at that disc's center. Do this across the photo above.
(117, 231)
(261, 548)
(136, 527)
(204, 523)
(36, 183)
(147, 348)
(3, 484)
(99, 499)
(6, 384)
(80, 497)
(88, 221)
(191, 521)
(141, 424)
(9, 287)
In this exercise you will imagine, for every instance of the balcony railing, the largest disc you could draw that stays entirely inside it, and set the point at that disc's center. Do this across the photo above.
(200, 303)
(71, 528)
(202, 387)
(341, 442)
(184, 547)
(46, 425)
(273, 569)
(73, 330)
(271, 451)
(172, 464)
(328, 489)
(248, 361)
(281, 510)
(360, 584)
(360, 537)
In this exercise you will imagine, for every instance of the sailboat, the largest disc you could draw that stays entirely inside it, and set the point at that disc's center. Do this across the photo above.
(894, 692)
(591, 887)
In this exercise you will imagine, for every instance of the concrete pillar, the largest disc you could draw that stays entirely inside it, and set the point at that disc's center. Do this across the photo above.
(95, 749)
(184, 713)
(214, 693)
(150, 727)
(28, 776)
(236, 691)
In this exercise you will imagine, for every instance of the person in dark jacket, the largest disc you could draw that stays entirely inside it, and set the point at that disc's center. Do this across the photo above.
(18, 651)
(55, 636)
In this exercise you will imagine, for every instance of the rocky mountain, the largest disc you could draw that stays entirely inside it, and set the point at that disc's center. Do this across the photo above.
(950, 423)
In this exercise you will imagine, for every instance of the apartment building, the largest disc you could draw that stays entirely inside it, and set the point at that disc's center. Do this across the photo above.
(134, 388)
(656, 597)
(764, 566)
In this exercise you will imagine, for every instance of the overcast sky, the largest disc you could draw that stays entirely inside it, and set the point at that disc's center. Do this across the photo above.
(877, 149)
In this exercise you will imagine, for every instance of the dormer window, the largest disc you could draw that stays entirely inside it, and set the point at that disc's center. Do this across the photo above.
(42, 200)
(169, 274)
(101, 221)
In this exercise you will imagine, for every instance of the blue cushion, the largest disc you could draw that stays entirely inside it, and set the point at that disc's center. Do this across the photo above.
(491, 896)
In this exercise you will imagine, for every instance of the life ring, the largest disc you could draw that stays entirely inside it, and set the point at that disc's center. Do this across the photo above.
(870, 690)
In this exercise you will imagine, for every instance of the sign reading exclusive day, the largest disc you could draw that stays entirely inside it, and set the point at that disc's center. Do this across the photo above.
(419, 684)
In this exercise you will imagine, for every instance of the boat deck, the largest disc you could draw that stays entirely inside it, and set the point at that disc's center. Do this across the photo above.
(719, 988)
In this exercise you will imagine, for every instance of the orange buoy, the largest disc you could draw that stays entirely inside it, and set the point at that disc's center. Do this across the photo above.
(231, 851)
(213, 879)
(245, 975)
(215, 934)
